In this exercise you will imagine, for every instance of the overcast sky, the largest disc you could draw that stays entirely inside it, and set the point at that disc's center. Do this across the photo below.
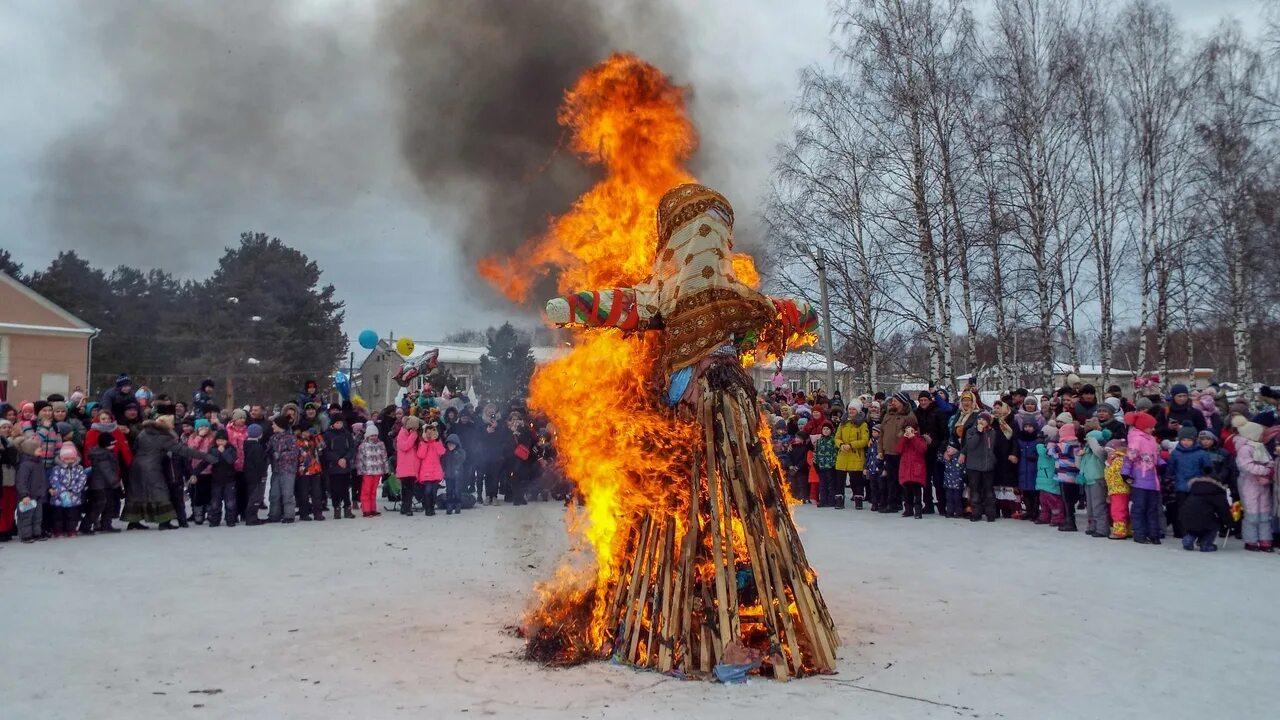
(109, 151)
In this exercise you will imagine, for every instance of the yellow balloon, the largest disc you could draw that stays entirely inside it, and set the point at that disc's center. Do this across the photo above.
(404, 346)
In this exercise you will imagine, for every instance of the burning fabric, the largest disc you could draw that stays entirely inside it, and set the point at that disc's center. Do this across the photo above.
(696, 566)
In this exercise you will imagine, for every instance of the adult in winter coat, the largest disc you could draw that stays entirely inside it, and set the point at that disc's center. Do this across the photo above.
(1256, 469)
(891, 427)
(524, 463)
(407, 462)
(117, 398)
(1028, 455)
(979, 460)
(282, 454)
(1203, 514)
(1180, 413)
(339, 458)
(105, 423)
(963, 420)
(31, 484)
(933, 428)
(852, 438)
(1005, 474)
(496, 444)
(148, 489)
(254, 461)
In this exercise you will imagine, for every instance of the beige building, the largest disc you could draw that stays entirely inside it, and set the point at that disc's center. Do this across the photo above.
(43, 348)
(803, 371)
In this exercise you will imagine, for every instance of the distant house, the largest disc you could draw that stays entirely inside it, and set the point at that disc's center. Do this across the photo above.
(43, 349)
(373, 379)
(990, 378)
(805, 371)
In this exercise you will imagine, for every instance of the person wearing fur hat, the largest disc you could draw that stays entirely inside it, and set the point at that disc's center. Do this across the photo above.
(1256, 471)
(339, 462)
(147, 498)
(371, 465)
(282, 455)
(67, 482)
(253, 461)
(979, 459)
(1142, 466)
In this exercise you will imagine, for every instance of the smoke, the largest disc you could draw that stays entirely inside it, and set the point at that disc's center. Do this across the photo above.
(205, 112)
(479, 84)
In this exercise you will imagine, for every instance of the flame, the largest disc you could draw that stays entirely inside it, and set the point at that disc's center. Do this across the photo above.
(626, 456)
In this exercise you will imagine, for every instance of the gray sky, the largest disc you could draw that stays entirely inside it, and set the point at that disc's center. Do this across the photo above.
(154, 138)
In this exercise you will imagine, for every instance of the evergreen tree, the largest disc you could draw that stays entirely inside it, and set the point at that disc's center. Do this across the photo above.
(506, 368)
(9, 266)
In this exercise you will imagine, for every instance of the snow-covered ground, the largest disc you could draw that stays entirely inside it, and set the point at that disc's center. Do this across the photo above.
(399, 617)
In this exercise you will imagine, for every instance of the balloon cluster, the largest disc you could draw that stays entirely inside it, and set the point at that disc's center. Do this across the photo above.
(369, 340)
(1143, 382)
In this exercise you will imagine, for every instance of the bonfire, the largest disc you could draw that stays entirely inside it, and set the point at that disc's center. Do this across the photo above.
(690, 560)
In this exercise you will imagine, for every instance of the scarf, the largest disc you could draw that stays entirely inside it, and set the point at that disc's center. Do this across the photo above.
(105, 428)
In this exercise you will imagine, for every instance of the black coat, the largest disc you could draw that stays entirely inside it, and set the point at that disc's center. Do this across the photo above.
(1184, 414)
(1205, 509)
(147, 477)
(255, 460)
(933, 424)
(339, 444)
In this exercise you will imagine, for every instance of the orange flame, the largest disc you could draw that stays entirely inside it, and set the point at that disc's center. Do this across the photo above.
(622, 453)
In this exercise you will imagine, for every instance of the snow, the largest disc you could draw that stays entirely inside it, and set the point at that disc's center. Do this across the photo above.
(405, 618)
(801, 360)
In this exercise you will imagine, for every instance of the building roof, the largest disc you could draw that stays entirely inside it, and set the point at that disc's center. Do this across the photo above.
(801, 361)
(73, 325)
(467, 354)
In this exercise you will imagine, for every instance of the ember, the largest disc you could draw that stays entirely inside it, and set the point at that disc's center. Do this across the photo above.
(689, 557)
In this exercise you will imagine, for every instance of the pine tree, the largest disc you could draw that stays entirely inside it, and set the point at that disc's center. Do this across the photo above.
(505, 370)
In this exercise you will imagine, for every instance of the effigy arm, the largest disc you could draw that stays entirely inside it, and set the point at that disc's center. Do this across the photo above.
(612, 307)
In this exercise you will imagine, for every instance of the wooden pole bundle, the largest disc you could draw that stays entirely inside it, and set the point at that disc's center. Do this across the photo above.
(690, 594)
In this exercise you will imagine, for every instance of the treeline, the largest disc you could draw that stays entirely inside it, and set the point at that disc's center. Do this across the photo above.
(259, 325)
(1067, 180)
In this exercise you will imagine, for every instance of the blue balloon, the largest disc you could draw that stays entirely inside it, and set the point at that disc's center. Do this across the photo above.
(368, 339)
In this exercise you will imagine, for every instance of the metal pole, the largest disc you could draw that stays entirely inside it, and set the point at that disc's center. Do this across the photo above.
(821, 261)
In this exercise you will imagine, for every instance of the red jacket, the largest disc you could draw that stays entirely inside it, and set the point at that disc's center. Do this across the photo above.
(123, 453)
(429, 468)
(911, 467)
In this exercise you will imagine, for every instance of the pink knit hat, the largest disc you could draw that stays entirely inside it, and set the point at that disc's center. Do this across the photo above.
(1067, 432)
(68, 453)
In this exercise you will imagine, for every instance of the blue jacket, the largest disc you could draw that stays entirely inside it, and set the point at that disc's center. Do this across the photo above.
(1184, 465)
(1028, 459)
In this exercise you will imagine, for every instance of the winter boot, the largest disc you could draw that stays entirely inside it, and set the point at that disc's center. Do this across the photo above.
(346, 513)
(167, 525)
(136, 526)
(337, 513)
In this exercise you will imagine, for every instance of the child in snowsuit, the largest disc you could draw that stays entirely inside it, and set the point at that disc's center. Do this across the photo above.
(1093, 468)
(1256, 468)
(1142, 463)
(430, 471)
(255, 474)
(455, 459)
(1117, 490)
(222, 486)
(1047, 486)
(371, 465)
(1187, 461)
(873, 470)
(1204, 513)
(32, 485)
(824, 457)
(104, 481)
(912, 473)
(309, 488)
(1028, 457)
(953, 482)
(67, 482)
(1064, 454)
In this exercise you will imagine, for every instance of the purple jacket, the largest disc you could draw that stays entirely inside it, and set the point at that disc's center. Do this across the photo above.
(1142, 462)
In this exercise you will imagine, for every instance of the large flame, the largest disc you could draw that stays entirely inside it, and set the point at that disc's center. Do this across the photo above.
(619, 448)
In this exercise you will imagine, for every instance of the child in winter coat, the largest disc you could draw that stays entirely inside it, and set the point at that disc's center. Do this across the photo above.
(104, 481)
(1118, 490)
(1093, 467)
(1028, 456)
(407, 462)
(430, 470)
(339, 459)
(309, 489)
(1064, 454)
(1256, 468)
(202, 489)
(67, 482)
(1204, 513)
(371, 465)
(222, 484)
(824, 457)
(874, 471)
(799, 454)
(1047, 486)
(953, 482)
(1142, 463)
(979, 460)
(912, 472)
(254, 463)
(455, 459)
(33, 491)
(282, 455)
(852, 438)
(1187, 461)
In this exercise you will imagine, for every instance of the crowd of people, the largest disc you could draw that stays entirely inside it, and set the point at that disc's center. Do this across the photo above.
(1195, 463)
(70, 466)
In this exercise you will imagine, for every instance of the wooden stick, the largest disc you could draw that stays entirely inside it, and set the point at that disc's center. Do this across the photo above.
(625, 630)
(640, 599)
(666, 638)
(717, 527)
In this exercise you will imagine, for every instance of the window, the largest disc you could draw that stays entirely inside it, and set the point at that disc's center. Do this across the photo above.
(4, 357)
(814, 385)
(794, 385)
(463, 383)
(51, 383)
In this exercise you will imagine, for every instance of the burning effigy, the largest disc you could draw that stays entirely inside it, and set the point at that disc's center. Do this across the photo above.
(690, 561)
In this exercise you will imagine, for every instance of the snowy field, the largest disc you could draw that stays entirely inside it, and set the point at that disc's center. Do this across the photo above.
(399, 617)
